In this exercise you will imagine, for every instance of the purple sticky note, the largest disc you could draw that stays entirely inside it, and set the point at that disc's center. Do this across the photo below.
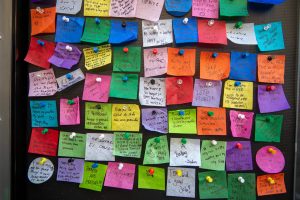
(155, 119)
(120, 175)
(241, 123)
(70, 170)
(65, 55)
(96, 88)
(270, 162)
(272, 99)
(207, 93)
(238, 156)
(69, 111)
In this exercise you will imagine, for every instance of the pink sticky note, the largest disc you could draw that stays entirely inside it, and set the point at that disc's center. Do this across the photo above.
(270, 162)
(212, 32)
(96, 88)
(69, 111)
(241, 123)
(149, 10)
(120, 175)
(206, 8)
(155, 61)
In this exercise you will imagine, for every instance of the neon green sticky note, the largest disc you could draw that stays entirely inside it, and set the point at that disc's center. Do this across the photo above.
(93, 176)
(231, 8)
(71, 144)
(241, 186)
(157, 151)
(127, 59)
(128, 144)
(151, 178)
(268, 128)
(124, 86)
(96, 32)
(213, 155)
(183, 121)
(97, 116)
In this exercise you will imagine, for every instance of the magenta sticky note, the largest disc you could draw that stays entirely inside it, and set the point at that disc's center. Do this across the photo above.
(270, 159)
(241, 123)
(238, 156)
(271, 98)
(69, 111)
(205, 8)
(70, 170)
(120, 175)
(96, 88)
(155, 119)
(155, 61)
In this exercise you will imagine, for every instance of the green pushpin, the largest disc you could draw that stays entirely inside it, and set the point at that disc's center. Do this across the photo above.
(45, 131)
(157, 140)
(238, 24)
(269, 119)
(71, 102)
(210, 113)
(126, 135)
(98, 106)
(183, 140)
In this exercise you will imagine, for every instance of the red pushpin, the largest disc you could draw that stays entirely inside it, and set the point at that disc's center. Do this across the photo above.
(155, 51)
(239, 145)
(151, 171)
(270, 88)
(125, 50)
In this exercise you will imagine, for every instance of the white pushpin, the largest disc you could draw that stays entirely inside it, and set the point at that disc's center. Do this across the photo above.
(241, 179)
(39, 75)
(73, 134)
(124, 107)
(185, 20)
(267, 27)
(155, 29)
(69, 48)
(121, 165)
(241, 116)
(179, 81)
(98, 80)
(214, 142)
(40, 10)
(65, 19)
(209, 84)
(101, 136)
(211, 22)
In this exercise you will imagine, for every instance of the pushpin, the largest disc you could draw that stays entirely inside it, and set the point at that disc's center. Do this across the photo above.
(120, 166)
(209, 179)
(239, 145)
(155, 51)
(271, 181)
(40, 42)
(96, 49)
(42, 161)
(39, 10)
(126, 135)
(181, 52)
(153, 112)
(97, 20)
(124, 107)
(65, 19)
(271, 150)
(269, 119)
(244, 55)
(39, 75)
(237, 83)
(98, 79)
(125, 50)
(185, 20)
(267, 27)
(98, 106)
(125, 78)
(179, 172)
(69, 48)
(210, 113)
(152, 81)
(155, 29)
(157, 139)
(123, 24)
(73, 134)
(210, 22)
(70, 160)
(214, 55)
(238, 24)
(179, 81)
(181, 112)
(44, 131)
(71, 102)
(69, 76)
(42, 104)
(241, 116)
(214, 142)
(151, 171)
(270, 88)
(101, 136)
(95, 165)
(241, 179)
(209, 84)
(183, 140)
(270, 58)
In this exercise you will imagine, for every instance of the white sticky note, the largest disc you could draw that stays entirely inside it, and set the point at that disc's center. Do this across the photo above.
(40, 170)
(74, 77)
(42, 83)
(155, 64)
(149, 10)
(71, 7)
(243, 35)
(152, 92)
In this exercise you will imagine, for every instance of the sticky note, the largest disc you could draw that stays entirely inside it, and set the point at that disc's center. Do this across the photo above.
(157, 33)
(125, 117)
(127, 59)
(238, 156)
(99, 58)
(270, 159)
(214, 65)
(212, 32)
(181, 65)
(269, 36)
(271, 101)
(238, 190)
(42, 20)
(94, 32)
(93, 176)
(98, 116)
(178, 7)
(243, 66)
(185, 152)
(230, 8)
(213, 156)
(152, 92)
(149, 10)
(211, 121)
(128, 144)
(37, 173)
(69, 79)
(71, 147)
(99, 147)
(70, 170)
(242, 35)
(38, 54)
(179, 90)
(69, 111)
(217, 189)
(124, 86)
(122, 8)
(118, 177)
(268, 128)
(68, 6)
(185, 32)
(265, 188)
(68, 29)
(120, 34)
(181, 186)
(267, 1)
(271, 68)
(155, 119)
(151, 178)
(98, 8)
(238, 96)
(182, 121)
(43, 141)
(157, 151)
(43, 113)
(207, 93)
(42, 83)
(155, 61)
(241, 123)
(205, 8)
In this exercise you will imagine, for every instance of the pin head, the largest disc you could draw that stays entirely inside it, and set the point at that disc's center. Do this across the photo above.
(69, 76)
(123, 24)
(120, 166)
(151, 171)
(209, 179)
(270, 58)
(125, 78)
(42, 104)
(155, 51)
(101, 136)
(97, 20)
(179, 172)
(270, 88)
(181, 112)
(125, 50)
(211, 22)
(157, 139)
(210, 113)
(71, 102)
(269, 119)
(44, 131)
(238, 24)
(241, 179)
(241, 116)
(153, 112)
(73, 135)
(181, 52)
(98, 79)
(271, 180)
(185, 20)
(239, 145)
(267, 27)
(126, 135)
(95, 165)
(183, 141)
(98, 106)
(69, 48)
(237, 83)
(245, 55)
(208, 84)
(179, 81)
(271, 150)
(96, 49)
(214, 55)
(65, 19)
(214, 142)
(42, 161)
(152, 81)
(40, 42)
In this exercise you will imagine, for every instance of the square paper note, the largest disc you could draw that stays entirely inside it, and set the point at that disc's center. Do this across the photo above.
(152, 92)
(268, 128)
(239, 156)
(211, 121)
(182, 121)
(43, 113)
(213, 155)
(149, 180)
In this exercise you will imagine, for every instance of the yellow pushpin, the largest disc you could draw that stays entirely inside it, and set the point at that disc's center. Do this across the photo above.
(209, 179)
(179, 172)
(271, 150)
(42, 161)
(271, 181)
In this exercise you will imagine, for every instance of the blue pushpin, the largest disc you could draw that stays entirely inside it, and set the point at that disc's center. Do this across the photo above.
(181, 112)
(244, 55)
(125, 78)
(237, 83)
(97, 20)
(40, 42)
(95, 49)
(215, 54)
(95, 165)
(69, 76)
(181, 52)
(42, 104)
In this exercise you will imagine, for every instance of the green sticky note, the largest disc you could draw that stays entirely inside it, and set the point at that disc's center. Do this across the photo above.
(216, 189)
(96, 33)
(128, 144)
(183, 121)
(124, 86)
(71, 147)
(268, 128)
(213, 156)
(93, 176)
(157, 151)
(151, 178)
(238, 190)
(127, 59)
(231, 8)
(98, 116)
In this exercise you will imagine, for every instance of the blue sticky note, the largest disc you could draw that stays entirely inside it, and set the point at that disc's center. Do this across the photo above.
(121, 32)
(269, 36)
(267, 1)
(185, 32)
(178, 8)
(68, 29)
(43, 113)
(243, 66)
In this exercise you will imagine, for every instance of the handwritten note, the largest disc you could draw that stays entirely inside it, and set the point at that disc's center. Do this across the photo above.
(268, 128)
(42, 22)
(178, 7)
(155, 61)
(42, 83)
(243, 35)
(152, 92)
(211, 121)
(96, 8)
(93, 177)
(43, 113)
(155, 119)
(125, 117)
(239, 159)
(120, 34)
(238, 190)
(157, 151)
(179, 90)
(205, 8)
(38, 173)
(68, 6)
(68, 31)
(182, 121)
(185, 32)
(71, 147)
(241, 123)
(96, 33)
(214, 34)
(155, 181)
(265, 188)
(124, 86)
(128, 144)
(213, 156)
(119, 8)
(70, 170)
(230, 8)
(181, 65)
(129, 61)
(69, 79)
(271, 68)
(149, 10)
(97, 59)
(269, 162)
(98, 116)
(69, 111)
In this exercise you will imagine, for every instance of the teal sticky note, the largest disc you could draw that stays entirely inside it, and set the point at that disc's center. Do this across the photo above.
(127, 59)
(43, 113)
(95, 31)
(230, 8)
(124, 86)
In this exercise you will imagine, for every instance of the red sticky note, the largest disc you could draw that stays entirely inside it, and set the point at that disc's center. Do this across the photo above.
(39, 54)
(43, 141)
(265, 187)
(179, 90)
(212, 32)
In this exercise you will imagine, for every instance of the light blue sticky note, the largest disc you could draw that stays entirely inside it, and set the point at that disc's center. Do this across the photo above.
(178, 7)
(43, 113)
(243, 66)
(68, 29)
(267, 1)
(185, 31)
(122, 33)
(269, 36)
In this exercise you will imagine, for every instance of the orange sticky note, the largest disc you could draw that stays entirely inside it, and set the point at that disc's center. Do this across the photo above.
(181, 62)
(211, 121)
(214, 66)
(43, 20)
(212, 32)
(271, 68)
(264, 187)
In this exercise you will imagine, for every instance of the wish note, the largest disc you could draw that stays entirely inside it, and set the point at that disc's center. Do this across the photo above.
(125, 117)
(71, 146)
(230, 8)
(127, 59)
(95, 32)
(69, 79)
(211, 121)
(70, 170)
(152, 92)
(212, 34)
(99, 8)
(157, 151)
(42, 21)
(99, 58)
(213, 156)
(43, 113)
(185, 33)
(181, 65)
(120, 34)
(38, 173)
(155, 61)
(238, 190)
(182, 121)
(268, 128)
(68, 6)
(149, 10)
(239, 158)
(122, 8)
(265, 188)
(98, 116)
(271, 68)
(128, 144)
(155, 181)
(124, 86)
(179, 90)
(155, 119)
(178, 7)
(241, 123)
(242, 35)
(205, 8)
(270, 159)
(69, 111)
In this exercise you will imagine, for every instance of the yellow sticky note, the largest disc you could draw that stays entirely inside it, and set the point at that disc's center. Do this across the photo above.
(97, 56)
(98, 8)
(238, 94)
(125, 117)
